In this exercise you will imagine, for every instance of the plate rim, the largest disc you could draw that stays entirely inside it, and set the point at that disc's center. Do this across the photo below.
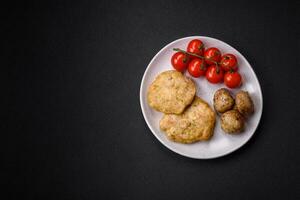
(169, 146)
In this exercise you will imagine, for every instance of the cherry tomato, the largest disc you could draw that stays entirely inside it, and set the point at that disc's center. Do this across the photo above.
(228, 62)
(197, 67)
(214, 74)
(212, 54)
(232, 79)
(180, 61)
(195, 46)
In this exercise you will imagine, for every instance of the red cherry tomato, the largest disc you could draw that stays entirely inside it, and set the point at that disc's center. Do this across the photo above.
(212, 54)
(197, 67)
(180, 61)
(214, 74)
(232, 79)
(196, 47)
(228, 62)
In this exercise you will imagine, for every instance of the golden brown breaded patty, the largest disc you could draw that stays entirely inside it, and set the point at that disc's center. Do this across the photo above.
(196, 123)
(171, 92)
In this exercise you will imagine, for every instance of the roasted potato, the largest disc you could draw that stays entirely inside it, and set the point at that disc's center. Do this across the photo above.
(223, 101)
(244, 103)
(235, 107)
(232, 122)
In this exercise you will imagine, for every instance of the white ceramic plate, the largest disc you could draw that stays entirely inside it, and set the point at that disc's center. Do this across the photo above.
(221, 143)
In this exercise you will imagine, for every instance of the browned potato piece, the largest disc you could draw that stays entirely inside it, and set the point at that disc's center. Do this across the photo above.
(223, 101)
(244, 103)
(232, 122)
(235, 107)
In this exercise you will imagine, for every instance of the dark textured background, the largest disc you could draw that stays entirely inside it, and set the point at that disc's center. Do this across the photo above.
(73, 127)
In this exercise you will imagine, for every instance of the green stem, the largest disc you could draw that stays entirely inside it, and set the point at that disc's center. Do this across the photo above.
(192, 54)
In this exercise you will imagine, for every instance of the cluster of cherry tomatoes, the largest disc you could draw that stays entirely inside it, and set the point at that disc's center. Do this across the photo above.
(207, 62)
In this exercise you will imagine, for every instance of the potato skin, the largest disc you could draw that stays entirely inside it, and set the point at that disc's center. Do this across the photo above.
(232, 122)
(244, 103)
(223, 101)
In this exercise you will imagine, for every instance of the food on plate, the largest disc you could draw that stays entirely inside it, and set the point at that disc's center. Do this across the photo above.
(235, 107)
(228, 62)
(196, 123)
(234, 111)
(212, 55)
(232, 122)
(214, 74)
(187, 118)
(244, 103)
(196, 47)
(196, 56)
(197, 67)
(223, 101)
(180, 61)
(232, 79)
(171, 92)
